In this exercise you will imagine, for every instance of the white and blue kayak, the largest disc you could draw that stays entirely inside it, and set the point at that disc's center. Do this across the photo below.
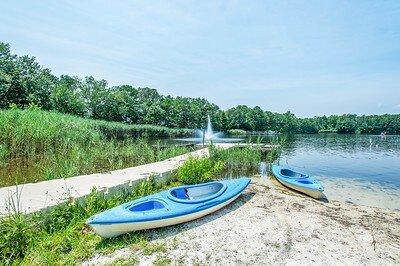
(298, 181)
(174, 206)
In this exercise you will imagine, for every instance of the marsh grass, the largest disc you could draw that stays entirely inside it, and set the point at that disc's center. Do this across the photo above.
(236, 161)
(59, 236)
(37, 145)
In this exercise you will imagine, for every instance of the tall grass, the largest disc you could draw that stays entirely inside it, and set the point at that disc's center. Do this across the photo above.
(236, 161)
(38, 145)
(60, 235)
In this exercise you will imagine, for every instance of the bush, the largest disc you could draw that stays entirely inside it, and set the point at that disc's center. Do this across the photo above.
(199, 170)
(237, 132)
(16, 235)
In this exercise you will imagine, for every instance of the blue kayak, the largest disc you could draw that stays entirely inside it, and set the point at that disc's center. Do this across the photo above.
(298, 181)
(174, 206)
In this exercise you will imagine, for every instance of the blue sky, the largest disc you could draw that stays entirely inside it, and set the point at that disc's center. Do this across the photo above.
(311, 57)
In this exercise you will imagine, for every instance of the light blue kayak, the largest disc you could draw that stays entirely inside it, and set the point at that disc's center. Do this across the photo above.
(298, 181)
(174, 206)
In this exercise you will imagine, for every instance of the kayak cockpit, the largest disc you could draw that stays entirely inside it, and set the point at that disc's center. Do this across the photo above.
(197, 193)
(149, 205)
(306, 182)
(292, 174)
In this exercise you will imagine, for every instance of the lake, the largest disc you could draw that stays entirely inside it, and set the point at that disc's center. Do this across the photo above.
(362, 169)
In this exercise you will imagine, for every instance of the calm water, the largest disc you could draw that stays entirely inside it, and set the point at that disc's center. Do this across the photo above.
(363, 169)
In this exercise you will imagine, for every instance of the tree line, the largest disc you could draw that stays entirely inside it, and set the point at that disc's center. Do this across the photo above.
(24, 82)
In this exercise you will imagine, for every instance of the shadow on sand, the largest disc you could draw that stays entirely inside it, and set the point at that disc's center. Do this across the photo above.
(161, 233)
(164, 232)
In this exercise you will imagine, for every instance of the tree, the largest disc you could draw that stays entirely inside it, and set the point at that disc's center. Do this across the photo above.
(66, 96)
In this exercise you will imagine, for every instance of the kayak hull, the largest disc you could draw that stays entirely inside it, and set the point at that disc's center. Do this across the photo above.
(316, 194)
(299, 182)
(113, 230)
(175, 206)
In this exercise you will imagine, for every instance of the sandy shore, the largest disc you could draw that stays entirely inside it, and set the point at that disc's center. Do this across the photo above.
(271, 225)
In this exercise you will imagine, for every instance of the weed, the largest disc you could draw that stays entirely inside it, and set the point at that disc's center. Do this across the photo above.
(162, 261)
(154, 248)
(276, 245)
(131, 260)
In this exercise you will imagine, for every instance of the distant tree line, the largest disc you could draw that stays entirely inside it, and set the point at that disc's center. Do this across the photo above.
(24, 82)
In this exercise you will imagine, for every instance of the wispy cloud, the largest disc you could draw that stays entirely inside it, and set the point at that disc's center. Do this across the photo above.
(308, 58)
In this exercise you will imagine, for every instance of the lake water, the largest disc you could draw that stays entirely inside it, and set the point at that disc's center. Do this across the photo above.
(362, 169)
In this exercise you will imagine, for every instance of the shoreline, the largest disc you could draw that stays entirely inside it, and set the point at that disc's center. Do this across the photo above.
(269, 224)
(34, 197)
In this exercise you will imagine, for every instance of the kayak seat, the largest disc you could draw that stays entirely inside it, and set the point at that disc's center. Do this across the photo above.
(203, 191)
(180, 193)
(147, 206)
(197, 192)
(292, 174)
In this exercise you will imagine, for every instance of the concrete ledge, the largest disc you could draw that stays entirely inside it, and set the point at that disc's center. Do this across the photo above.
(34, 197)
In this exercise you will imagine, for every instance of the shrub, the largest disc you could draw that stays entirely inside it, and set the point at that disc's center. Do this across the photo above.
(237, 132)
(16, 235)
(199, 170)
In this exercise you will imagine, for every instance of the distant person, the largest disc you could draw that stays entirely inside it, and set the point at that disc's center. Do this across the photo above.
(383, 135)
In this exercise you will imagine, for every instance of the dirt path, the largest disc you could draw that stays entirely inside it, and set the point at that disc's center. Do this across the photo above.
(271, 225)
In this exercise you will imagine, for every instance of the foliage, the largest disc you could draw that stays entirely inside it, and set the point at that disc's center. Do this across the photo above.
(59, 236)
(39, 145)
(16, 235)
(23, 82)
(237, 132)
(197, 170)
(243, 159)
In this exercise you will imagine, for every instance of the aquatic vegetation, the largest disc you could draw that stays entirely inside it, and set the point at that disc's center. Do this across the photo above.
(39, 145)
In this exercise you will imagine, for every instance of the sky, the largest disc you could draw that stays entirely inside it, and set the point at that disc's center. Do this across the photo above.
(307, 57)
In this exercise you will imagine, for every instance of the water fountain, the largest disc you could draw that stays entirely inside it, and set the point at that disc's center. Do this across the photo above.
(208, 135)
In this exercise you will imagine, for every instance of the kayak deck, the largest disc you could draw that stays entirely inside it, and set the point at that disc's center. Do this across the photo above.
(176, 205)
(298, 181)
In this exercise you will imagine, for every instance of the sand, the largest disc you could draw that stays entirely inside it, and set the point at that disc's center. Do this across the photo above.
(269, 224)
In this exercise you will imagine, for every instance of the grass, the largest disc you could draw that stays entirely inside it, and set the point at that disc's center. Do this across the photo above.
(132, 260)
(154, 248)
(243, 159)
(60, 236)
(162, 261)
(38, 145)
(224, 162)
(198, 170)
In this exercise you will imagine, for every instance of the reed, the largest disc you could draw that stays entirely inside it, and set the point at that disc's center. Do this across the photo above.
(60, 235)
(38, 145)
